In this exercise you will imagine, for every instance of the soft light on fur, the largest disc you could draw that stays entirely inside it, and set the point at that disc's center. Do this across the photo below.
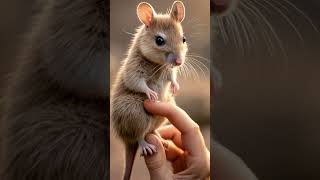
(146, 64)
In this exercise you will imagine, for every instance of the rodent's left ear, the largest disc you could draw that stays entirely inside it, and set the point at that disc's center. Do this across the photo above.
(178, 11)
(145, 13)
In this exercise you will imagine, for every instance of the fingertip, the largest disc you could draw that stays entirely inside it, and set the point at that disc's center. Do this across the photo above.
(156, 161)
(178, 117)
(153, 139)
(148, 103)
(153, 107)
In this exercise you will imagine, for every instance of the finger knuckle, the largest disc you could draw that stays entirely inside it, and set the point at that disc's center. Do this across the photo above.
(195, 127)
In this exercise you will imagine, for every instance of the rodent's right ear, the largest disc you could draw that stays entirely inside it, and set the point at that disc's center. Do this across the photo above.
(145, 13)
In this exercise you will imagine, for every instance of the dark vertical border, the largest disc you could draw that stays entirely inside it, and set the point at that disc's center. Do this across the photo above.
(106, 45)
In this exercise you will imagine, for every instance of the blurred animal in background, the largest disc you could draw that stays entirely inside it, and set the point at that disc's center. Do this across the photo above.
(245, 22)
(247, 25)
(56, 104)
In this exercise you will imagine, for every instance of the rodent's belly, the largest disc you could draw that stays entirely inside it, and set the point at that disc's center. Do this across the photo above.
(162, 89)
(130, 120)
(156, 122)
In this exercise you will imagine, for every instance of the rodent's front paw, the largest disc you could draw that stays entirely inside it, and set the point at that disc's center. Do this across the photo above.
(175, 87)
(152, 95)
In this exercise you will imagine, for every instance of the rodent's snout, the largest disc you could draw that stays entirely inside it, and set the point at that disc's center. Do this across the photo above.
(178, 61)
(174, 59)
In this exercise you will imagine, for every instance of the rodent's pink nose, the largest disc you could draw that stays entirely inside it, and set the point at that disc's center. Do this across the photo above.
(178, 61)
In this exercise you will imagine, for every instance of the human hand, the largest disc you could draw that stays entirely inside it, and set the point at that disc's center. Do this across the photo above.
(181, 144)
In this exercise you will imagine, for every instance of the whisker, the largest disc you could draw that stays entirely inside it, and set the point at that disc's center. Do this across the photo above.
(194, 72)
(265, 34)
(197, 56)
(153, 74)
(302, 13)
(222, 30)
(199, 67)
(235, 26)
(232, 31)
(132, 34)
(283, 15)
(252, 9)
(247, 23)
(181, 71)
(185, 72)
(185, 66)
(243, 28)
(202, 64)
(199, 64)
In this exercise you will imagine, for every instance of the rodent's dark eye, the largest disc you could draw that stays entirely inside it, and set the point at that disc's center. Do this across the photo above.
(184, 39)
(160, 41)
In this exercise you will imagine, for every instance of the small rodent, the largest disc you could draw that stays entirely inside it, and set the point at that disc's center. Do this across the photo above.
(149, 70)
(57, 103)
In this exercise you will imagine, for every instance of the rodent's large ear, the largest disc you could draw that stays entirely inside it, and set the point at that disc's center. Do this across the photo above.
(177, 11)
(145, 13)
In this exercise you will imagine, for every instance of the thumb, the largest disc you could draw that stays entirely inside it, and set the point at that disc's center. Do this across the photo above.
(156, 163)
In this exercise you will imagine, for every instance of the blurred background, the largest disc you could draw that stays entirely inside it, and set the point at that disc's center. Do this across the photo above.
(15, 19)
(267, 110)
(194, 95)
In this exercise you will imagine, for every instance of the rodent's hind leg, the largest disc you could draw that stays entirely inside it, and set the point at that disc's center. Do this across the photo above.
(146, 148)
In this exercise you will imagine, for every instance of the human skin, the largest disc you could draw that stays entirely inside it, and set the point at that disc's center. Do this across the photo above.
(181, 143)
(175, 140)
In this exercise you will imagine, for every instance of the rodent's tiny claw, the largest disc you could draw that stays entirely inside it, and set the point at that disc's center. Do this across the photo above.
(152, 95)
(147, 148)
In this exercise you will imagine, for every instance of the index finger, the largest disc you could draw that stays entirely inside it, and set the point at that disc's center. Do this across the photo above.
(178, 117)
(190, 132)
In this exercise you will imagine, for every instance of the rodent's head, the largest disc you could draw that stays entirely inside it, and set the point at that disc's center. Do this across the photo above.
(161, 39)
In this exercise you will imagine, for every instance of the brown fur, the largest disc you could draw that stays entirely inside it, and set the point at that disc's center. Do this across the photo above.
(130, 121)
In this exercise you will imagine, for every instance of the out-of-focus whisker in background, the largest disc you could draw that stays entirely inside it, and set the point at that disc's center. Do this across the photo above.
(267, 110)
(194, 93)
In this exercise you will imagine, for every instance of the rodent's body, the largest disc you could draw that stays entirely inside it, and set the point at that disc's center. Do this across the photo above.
(57, 104)
(149, 71)
(131, 121)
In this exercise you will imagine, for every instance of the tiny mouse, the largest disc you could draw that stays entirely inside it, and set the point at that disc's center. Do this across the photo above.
(149, 71)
